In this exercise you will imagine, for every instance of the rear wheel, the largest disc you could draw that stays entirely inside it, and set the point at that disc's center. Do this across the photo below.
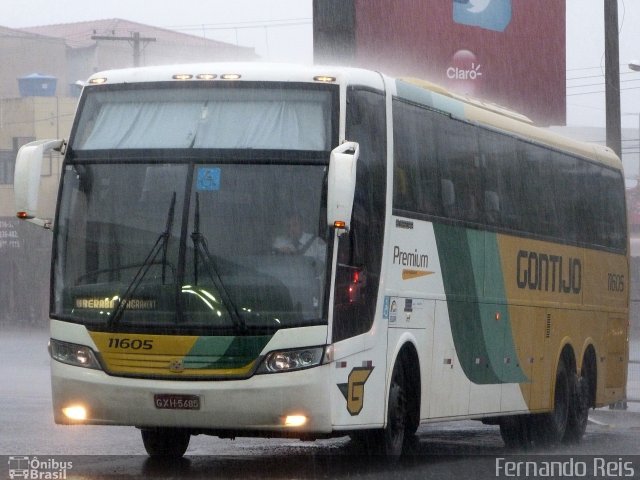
(550, 428)
(579, 406)
(165, 442)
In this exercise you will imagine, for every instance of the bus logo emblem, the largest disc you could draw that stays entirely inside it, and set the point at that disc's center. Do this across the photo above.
(176, 365)
(353, 391)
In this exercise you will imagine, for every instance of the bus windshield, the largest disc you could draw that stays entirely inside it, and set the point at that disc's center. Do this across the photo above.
(177, 199)
(191, 246)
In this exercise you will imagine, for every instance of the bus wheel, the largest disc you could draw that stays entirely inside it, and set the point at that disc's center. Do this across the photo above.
(578, 408)
(393, 435)
(398, 435)
(165, 442)
(390, 440)
(550, 428)
(515, 432)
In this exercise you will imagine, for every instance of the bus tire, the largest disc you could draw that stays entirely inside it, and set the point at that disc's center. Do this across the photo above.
(165, 442)
(578, 408)
(550, 428)
(389, 441)
(397, 413)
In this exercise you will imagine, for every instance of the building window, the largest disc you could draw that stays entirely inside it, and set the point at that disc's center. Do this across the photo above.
(7, 166)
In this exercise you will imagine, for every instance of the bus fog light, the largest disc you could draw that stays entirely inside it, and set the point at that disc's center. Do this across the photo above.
(295, 420)
(75, 412)
(288, 360)
(73, 354)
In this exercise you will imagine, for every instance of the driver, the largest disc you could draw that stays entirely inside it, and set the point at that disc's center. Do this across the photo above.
(295, 241)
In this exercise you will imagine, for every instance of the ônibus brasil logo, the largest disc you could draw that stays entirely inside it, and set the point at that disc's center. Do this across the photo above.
(35, 468)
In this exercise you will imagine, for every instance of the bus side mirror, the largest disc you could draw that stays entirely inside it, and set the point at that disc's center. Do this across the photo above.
(341, 184)
(26, 179)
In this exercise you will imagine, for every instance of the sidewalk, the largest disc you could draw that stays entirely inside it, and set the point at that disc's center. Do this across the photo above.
(628, 419)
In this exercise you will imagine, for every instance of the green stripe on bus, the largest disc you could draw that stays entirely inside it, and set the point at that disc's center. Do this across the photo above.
(226, 351)
(484, 344)
(495, 313)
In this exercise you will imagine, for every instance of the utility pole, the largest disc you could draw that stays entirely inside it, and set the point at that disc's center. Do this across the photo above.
(135, 40)
(612, 76)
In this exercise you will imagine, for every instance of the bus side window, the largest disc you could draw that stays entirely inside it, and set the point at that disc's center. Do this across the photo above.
(491, 207)
(448, 197)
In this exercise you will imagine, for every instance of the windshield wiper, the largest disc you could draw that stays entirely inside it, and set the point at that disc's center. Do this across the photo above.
(160, 245)
(201, 247)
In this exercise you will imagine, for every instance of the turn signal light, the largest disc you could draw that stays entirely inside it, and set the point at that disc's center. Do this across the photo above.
(340, 224)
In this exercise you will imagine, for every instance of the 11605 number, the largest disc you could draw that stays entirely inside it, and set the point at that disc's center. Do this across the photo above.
(128, 343)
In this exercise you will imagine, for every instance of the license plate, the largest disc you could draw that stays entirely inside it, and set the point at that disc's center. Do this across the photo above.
(176, 402)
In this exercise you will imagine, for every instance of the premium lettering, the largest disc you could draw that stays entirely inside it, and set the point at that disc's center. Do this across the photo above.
(548, 272)
(410, 259)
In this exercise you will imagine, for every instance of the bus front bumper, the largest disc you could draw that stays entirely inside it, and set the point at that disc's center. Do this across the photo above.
(274, 403)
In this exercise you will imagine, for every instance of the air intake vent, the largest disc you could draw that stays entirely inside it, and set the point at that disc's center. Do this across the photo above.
(547, 331)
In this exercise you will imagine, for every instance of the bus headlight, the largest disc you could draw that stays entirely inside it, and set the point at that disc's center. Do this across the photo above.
(73, 354)
(289, 360)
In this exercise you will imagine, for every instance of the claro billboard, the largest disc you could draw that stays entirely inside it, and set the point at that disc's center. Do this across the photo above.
(511, 52)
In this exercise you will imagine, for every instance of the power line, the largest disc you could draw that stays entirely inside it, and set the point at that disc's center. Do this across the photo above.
(135, 39)
(601, 75)
(597, 67)
(600, 83)
(40, 120)
(599, 91)
(285, 22)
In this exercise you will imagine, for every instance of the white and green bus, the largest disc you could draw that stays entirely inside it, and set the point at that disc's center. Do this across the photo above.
(449, 260)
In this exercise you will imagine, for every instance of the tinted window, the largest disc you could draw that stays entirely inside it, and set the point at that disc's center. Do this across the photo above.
(360, 251)
(455, 171)
(415, 173)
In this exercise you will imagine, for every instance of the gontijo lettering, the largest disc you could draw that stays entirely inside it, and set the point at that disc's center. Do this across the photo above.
(548, 272)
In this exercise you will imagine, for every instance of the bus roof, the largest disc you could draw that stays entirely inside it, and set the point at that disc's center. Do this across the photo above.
(243, 71)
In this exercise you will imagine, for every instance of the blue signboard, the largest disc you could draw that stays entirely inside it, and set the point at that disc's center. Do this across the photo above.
(488, 14)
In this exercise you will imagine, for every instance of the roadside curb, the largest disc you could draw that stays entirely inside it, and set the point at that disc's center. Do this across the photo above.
(624, 419)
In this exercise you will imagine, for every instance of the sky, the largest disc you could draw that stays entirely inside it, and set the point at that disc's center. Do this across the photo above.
(281, 30)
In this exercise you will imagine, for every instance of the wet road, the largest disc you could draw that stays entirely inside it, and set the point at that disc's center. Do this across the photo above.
(465, 449)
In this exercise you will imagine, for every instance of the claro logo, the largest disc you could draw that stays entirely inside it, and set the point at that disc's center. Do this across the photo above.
(471, 73)
(465, 72)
